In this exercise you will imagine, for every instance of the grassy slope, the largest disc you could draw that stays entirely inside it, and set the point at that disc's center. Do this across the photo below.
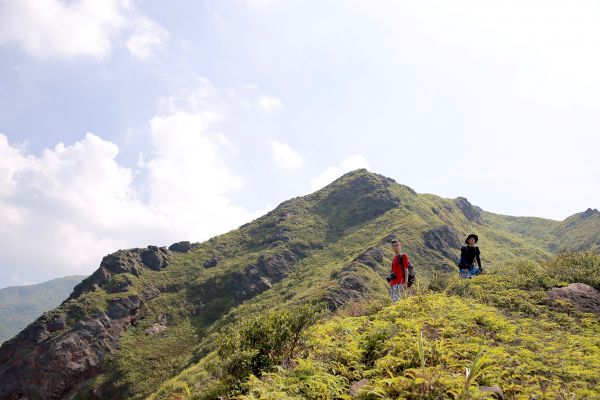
(21, 305)
(332, 227)
(533, 348)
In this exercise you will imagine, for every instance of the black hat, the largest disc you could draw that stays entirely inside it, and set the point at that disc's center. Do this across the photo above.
(472, 235)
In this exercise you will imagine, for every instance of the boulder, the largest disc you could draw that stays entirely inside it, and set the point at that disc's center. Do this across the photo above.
(584, 298)
(181, 247)
(155, 258)
(211, 263)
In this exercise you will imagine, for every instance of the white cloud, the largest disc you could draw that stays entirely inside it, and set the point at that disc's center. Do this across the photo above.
(53, 28)
(331, 173)
(64, 209)
(284, 155)
(146, 36)
(269, 103)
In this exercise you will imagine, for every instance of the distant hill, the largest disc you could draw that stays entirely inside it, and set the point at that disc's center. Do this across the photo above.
(151, 320)
(21, 305)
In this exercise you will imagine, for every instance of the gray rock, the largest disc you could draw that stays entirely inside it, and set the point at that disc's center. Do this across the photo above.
(211, 263)
(584, 297)
(181, 247)
(471, 212)
(357, 386)
(119, 285)
(124, 306)
(444, 240)
(37, 365)
(373, 257)
(56, 323)
(155, 258)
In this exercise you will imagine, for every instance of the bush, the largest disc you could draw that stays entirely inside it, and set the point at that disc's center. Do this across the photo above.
(583, 267)
(258, 344)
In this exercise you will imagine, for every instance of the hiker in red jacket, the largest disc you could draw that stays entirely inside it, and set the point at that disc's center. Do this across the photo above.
(399, 278)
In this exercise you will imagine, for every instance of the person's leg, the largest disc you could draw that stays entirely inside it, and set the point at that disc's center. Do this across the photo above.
(395, 292)
(464, 273)
(474, 270)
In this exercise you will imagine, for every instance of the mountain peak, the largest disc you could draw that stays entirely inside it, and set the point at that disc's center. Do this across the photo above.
(589, 213)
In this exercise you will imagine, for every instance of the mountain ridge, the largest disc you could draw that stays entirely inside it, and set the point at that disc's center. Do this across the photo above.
(330, 245)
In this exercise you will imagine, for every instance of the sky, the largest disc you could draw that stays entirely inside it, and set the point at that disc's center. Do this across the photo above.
(126, 123)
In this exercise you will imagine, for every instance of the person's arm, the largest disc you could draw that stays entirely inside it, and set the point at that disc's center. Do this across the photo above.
(478, 259)
(462, 256)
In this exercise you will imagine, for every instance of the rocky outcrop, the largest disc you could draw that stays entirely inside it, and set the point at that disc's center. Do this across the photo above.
(155, 258)
(373, 257)
(472, 213)
(47, 361)
(62, 349)
(244, 284)
(259, 277)
(181, 247)
(130, 261)
(584, 297)
(444, 240)
(351, 282)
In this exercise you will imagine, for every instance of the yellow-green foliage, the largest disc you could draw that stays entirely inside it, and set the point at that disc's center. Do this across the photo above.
(526, 357)
(495, 330)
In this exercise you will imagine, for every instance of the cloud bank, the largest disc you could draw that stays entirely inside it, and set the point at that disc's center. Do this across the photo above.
(64, 209)
(89, 28)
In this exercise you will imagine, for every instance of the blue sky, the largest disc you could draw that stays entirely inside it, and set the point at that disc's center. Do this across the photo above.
(127, 123)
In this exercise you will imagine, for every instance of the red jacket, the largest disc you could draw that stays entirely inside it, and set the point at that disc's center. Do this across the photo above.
(398, 269)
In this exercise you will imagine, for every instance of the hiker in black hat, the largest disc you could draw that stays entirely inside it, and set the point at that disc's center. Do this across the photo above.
(470, 263)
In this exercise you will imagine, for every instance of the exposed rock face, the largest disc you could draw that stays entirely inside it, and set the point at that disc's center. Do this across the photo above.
(373, 257)
(584, 297)
(52, 356)
(181, 247)
(115, 263)
(250, 281)
(444, 240)
(351, 285)
(261, 276)
(471, 212)
(156, 258)
(119, 286)
(589, 213)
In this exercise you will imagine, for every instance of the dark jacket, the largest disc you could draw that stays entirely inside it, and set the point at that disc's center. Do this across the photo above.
(468, 255)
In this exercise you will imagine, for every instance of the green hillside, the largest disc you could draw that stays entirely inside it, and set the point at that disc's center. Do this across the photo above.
(21, 305)
(502, 327)
(165, 316)
(323, 233)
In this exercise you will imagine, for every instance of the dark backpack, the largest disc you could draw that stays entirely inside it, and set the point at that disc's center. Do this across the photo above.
(411, 271)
